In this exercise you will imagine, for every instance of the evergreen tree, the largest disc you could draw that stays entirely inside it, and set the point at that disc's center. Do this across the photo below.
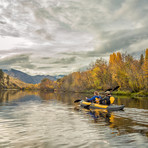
(141, 61)
(8, 80)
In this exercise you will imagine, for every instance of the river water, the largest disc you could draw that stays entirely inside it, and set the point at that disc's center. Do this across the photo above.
(52, 120)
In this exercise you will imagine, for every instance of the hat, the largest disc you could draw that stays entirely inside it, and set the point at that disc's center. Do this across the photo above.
(107, 92)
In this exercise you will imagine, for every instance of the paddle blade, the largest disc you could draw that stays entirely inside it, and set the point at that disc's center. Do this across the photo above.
(77, 101)
(116, 88)
(108, 89)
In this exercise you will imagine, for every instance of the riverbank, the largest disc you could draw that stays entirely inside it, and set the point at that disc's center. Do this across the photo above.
(91, 91)
(123, 93)
(132, 94)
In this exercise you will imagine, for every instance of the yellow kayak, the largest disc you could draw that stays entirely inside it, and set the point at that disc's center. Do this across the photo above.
(100, 106)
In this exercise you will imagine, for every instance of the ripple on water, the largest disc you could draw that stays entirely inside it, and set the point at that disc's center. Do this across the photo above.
(138, 115)
(49, 124)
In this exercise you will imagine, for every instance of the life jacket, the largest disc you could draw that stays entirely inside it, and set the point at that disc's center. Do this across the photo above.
(112, 99)
(109, 100)
(97, 100)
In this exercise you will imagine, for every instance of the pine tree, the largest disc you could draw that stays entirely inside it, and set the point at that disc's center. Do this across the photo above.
(141, 61)
(8, 80)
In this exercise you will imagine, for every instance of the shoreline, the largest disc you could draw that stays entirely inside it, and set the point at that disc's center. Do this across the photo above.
(131, 94)
(117, 93)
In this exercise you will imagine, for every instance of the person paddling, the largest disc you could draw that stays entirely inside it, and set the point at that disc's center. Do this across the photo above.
(109, 99)
(96, 98)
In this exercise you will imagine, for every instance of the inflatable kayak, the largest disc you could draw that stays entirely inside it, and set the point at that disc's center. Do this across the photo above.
(100, 106)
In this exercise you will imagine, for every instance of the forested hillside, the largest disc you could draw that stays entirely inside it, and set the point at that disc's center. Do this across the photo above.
(121, 69)
(8, 82)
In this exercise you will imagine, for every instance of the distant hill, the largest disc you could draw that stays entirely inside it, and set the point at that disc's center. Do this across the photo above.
(28, 78)
(14, 83)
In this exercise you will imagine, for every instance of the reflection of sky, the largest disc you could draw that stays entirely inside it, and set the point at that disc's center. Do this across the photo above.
(62, 36)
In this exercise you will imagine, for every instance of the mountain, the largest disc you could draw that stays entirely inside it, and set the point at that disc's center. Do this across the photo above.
(13, 83)
(28, 78)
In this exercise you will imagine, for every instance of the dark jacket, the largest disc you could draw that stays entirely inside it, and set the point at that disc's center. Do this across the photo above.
(105, 101)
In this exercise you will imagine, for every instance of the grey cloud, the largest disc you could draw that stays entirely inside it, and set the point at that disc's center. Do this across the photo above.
(43, 68)
(21, 61)
(46, 58)
(64, 67)
(133, 9)
(65, 61)
(85, 55)
(15, 59)
(123, 39)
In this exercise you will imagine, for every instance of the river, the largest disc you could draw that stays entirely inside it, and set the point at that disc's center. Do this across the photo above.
(52, 120)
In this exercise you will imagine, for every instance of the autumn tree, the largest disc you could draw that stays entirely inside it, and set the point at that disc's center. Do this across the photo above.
(119, 58)
(123, 70)
(145, 68)
(101, 74)
(46, 84)
(117, 70)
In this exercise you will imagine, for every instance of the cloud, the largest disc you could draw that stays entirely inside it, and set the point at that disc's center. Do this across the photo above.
(61, 36)
(19, 61)
(65, 60)
(123, 40)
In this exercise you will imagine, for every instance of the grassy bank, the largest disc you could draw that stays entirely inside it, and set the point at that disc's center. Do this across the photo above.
(122, 93)
(128, 93)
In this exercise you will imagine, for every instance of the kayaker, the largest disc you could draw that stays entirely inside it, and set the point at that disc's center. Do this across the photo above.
(96, 98)
(109, 99)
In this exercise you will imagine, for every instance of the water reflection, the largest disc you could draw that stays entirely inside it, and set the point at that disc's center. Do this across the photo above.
(117, 122)
(100, 115)
(69, 98)
(141, 103)
(133, 120)
(11, 95)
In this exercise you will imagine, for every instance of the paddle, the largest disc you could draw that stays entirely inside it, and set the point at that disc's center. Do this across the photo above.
(112, 89)
(116, 88)
(77, 101)
(105, 91)
(108, 89)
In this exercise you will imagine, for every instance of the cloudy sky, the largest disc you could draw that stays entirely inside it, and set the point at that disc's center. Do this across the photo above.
(61, 36)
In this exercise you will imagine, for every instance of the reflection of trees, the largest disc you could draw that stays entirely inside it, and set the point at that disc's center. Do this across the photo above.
(121, 124)
(133, 103)
(6, 96)
(70, 97)
(1, 97)
(47, 95)
(127, 125)
(10, 95)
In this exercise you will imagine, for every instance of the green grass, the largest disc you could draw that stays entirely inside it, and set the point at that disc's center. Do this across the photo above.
(140, 94)
(124, 93)
(89, 91)
(128, 93)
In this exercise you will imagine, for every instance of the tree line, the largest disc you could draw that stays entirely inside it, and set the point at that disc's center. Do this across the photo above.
(122, 69)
